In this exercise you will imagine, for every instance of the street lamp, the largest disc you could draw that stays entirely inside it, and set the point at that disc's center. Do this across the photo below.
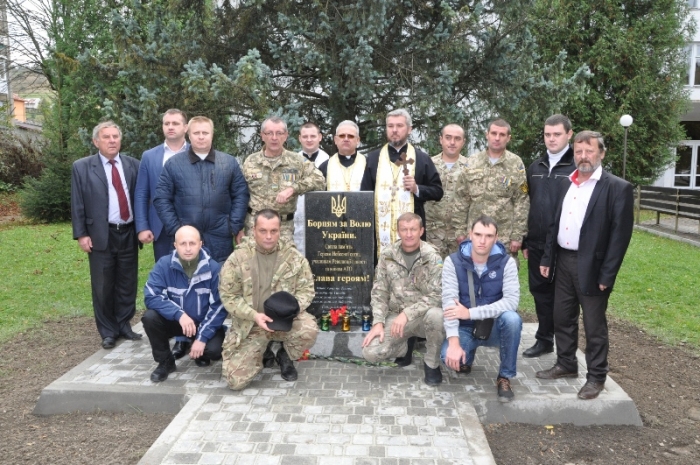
(626, 122)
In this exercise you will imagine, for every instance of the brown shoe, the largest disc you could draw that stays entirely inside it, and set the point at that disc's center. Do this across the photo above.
(590, 390)
(556, 372)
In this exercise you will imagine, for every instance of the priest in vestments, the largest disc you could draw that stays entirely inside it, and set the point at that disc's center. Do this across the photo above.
(344, 170)
(403, 187)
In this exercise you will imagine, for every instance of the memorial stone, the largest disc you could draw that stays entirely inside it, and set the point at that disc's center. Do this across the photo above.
(340, 248)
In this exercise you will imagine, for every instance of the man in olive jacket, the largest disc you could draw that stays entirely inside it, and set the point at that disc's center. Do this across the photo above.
(258, 268)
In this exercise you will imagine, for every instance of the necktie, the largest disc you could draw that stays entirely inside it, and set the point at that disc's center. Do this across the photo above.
(121, 195)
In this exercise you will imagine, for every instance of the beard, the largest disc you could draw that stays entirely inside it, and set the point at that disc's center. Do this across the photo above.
(587, 167)
(398, 144)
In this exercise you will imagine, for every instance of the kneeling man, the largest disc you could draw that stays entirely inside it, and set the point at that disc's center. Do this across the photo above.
(406, 299)
(266, 286)
(479, 282)
(182, 298)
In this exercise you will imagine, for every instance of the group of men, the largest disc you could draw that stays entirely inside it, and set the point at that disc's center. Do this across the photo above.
(459, 289)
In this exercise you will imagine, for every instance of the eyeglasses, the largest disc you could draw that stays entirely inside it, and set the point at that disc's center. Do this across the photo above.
(345, 136)
(276, 134)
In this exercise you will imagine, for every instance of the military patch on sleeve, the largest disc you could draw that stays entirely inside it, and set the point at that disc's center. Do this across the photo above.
(523, 187)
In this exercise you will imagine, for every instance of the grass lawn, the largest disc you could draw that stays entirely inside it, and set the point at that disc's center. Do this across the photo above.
(45, 276)
(657, 289)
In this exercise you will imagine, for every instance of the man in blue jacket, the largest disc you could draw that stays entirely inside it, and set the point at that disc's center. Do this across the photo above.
(496, 293)
(182, 298)
(204, 188)
(148, 225)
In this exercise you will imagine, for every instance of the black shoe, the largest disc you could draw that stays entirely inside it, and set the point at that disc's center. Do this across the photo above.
(180, 349)
(109, 342)
(466, 369)
(289, 373)
(433, 376)
(202, 361)
(163, 370)
(505, 393)
(131, 335)
(408, 358)
(268, 357)
(591, 389)
(556, 372)
(538, 349)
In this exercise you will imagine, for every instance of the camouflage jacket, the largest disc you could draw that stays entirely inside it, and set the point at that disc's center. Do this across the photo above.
(396, 289)
(443, 215)
(499, 191)
(266, 178)
(293, 274)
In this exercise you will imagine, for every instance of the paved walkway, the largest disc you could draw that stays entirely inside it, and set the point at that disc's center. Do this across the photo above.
(339, 413)
(688, 229)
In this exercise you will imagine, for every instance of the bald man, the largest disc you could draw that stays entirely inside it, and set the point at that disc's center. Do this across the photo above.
(182, 298)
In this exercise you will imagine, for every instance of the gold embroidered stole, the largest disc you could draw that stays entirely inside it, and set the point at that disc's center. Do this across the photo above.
(340, 178)
(391, 200)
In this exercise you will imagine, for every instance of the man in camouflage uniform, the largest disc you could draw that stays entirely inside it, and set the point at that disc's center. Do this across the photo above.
(276, 177)
(439, 216)
(259, 267)
(406, 299)
(495, 185)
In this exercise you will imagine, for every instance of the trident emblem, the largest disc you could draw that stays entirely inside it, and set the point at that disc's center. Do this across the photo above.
(339, 206)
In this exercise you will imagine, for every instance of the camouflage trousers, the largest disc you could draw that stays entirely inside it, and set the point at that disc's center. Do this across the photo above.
(286, 231)
(246, 361)
(444, 240)
(430, 327)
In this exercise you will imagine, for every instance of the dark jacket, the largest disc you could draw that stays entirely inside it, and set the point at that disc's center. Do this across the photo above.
(541, 186)
(427, 178)
(90, 197)
(149, 173)
(605, 233)
(171, 293)
(210, 194)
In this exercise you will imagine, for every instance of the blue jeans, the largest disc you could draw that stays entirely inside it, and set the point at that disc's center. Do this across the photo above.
(505, 335)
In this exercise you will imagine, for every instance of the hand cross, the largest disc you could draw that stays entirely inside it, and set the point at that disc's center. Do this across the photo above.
(402, 161)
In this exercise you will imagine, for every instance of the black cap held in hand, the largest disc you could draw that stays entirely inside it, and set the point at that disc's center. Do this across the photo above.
(282, 307)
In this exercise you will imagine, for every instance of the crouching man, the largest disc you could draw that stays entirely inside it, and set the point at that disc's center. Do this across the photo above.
(182, 298)
(479, 282)
(406, 301)
(266, 286)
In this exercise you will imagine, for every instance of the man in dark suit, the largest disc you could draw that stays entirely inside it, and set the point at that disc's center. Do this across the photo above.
(589, 238)
(148, 226)
(102, 196)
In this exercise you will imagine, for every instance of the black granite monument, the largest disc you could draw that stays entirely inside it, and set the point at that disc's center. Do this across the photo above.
(340, 248)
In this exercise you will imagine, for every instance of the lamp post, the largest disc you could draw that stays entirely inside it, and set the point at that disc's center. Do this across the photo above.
(626, 122)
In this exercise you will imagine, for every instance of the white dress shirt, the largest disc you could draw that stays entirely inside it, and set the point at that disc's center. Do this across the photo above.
(168, 154)
(574, 208)
(115, 216)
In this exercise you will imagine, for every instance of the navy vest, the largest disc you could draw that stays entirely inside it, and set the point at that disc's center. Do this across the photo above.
(488, 288)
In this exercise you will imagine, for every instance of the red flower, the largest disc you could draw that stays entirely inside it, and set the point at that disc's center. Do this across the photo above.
(335, 315)
(305, 355)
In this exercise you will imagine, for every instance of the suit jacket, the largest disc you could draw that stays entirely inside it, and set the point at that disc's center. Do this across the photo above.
(149, 173)
(605, 233)
(89, 197)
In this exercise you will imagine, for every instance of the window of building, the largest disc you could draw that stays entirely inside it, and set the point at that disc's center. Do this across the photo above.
(687, 173)
(692, 74)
